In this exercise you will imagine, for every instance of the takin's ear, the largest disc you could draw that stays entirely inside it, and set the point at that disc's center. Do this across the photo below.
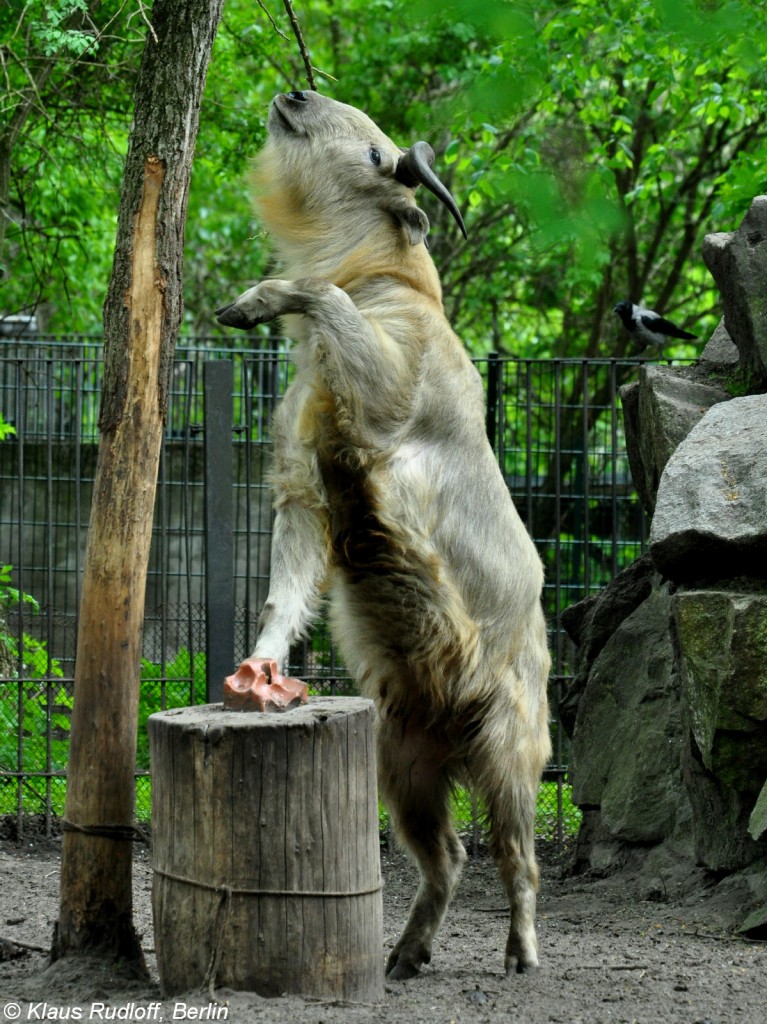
(411, 218)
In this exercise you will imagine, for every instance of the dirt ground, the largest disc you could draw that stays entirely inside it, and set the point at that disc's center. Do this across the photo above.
(616, 950)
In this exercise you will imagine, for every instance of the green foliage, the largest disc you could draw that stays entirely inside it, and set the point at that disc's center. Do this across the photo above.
(740, 381)
(39, 708)
(48, 28)
(176, 684)
(35, 660)
(42, 711)
(612, 161)
(589, 153)
(550, 795)
(6, 430)
(34, 709)
(65, 104)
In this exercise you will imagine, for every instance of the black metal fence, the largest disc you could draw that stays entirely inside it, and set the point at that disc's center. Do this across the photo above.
(557, 431)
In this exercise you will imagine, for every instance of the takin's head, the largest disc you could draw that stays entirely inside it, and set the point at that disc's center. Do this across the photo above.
(328, 173)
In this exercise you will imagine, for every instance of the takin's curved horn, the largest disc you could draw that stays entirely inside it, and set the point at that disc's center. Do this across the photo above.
(414, 168)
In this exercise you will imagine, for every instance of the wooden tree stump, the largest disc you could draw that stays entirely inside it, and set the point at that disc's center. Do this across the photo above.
(265, 850)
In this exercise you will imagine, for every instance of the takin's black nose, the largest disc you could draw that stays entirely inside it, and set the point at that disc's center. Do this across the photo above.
(299, 97)
(232, 316)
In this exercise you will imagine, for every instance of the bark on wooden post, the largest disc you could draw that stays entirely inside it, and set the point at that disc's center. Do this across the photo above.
(141, 318)
(265, 850)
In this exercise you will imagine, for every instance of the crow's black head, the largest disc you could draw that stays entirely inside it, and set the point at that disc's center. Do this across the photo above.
(625, 310)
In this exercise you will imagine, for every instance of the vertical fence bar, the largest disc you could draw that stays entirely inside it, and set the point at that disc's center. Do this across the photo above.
(78, 439)
(586, 472)
(49, 592)
(558, 666)
(162, 522)
(531, 469)
(219, 533)
(20, 436)
(493, 381)
(190, 377)
(248, 375)
(614, 468)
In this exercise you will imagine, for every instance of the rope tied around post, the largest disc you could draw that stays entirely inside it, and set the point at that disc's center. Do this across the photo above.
(306, 893)
(123, 833)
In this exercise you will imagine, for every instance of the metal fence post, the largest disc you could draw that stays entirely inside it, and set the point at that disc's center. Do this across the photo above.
(219, 535)
(493, 391)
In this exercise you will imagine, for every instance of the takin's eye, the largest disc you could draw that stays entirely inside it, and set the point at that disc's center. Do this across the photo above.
(375, 156)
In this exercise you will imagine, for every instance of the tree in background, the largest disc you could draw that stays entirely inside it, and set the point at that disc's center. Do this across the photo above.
(601, 151)
(67, 69)
(590, 154)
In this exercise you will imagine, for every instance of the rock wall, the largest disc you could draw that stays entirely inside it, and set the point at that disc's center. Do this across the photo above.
(667, 712)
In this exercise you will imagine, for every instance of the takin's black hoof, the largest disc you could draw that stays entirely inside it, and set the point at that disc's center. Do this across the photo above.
(400, 968)
(521, 967)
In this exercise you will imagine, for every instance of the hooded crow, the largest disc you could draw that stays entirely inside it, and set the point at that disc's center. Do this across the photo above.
(648, 327)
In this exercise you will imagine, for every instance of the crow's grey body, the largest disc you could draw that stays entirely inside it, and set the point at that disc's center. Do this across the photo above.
(648, 327)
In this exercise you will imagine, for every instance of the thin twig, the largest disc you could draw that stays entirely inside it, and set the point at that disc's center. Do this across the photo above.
(26, 945)
(273, 23)
(145, 17)
(301, 44)
(325, 74)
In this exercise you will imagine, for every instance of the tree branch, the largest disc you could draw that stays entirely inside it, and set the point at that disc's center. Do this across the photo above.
(301, 44)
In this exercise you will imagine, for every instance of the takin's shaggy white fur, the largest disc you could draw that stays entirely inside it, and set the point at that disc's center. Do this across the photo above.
(389, 498)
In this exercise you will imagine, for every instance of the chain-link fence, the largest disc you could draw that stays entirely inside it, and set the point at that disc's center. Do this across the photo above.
(555, 426)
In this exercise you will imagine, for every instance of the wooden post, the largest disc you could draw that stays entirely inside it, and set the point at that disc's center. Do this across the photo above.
(141, 318)
(265, 850)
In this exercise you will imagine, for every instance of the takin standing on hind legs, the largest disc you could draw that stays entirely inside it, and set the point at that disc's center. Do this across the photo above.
(388, 498)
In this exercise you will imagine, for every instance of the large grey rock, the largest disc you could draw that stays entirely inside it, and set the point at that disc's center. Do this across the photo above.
(738, 263)
(590, 624)
(719, 815)
(711, 509)
(629, 731)
(757, 822)
(721, 351)
(722, 644)
(659, 412)
(722, 637)
(629, 395)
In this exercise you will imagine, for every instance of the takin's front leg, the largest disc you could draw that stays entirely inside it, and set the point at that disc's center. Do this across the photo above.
(299, 566)
(265, 302)
(416, 790)
(299, 551)
(370, 376)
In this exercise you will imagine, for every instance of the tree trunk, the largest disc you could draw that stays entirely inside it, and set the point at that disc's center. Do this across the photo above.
(141, 318)
(266, 852)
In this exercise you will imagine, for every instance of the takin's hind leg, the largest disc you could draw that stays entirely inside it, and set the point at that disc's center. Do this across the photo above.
(512, 845)
(416, 789)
